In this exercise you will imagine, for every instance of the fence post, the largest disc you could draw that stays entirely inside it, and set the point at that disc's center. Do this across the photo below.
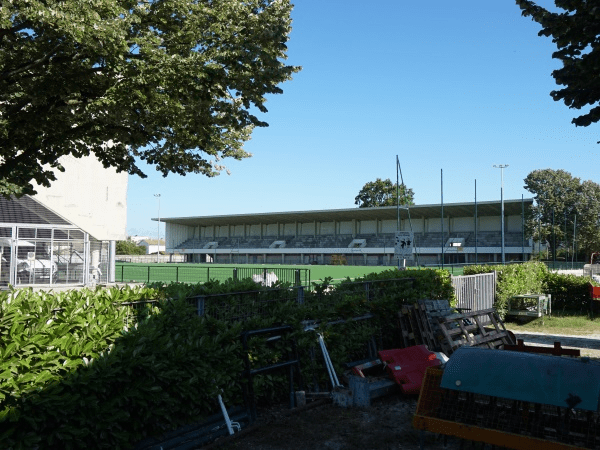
(297, 276)
(300, 295)
(200, 305)
(265, 276)
(177, 273)
(148, 273)
(235, 276)
(368, 290)
(207, 274)
(122, 273)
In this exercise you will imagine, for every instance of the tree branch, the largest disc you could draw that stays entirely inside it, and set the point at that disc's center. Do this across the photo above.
(31, 65)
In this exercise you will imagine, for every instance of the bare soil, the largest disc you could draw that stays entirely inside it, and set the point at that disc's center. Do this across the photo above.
(386, 424)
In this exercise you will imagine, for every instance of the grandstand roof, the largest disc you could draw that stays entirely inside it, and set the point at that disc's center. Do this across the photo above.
(511, 208)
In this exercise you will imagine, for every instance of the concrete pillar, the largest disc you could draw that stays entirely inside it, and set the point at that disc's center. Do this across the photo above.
(112, 251)
(94, 263)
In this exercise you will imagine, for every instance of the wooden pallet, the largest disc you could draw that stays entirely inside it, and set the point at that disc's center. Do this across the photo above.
(467, 329)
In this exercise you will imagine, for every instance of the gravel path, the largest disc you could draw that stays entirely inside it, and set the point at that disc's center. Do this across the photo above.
(588, 344)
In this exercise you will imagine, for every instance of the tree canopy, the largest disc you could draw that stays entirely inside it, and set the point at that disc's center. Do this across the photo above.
(576, 33)
(383, 193)
(566, 210)
(129, 248)
(173, 83)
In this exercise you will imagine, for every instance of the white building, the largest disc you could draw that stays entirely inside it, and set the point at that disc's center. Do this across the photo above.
(66, 234)
(152, 246)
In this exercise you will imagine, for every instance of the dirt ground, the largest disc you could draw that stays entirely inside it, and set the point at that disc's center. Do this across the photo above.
(386, 424)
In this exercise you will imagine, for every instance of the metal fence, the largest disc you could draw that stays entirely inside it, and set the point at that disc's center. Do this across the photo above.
(48, 255)
(475, 292)
(201, 274)
(239, 306)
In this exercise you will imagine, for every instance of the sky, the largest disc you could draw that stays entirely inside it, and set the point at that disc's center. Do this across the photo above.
(454, 86)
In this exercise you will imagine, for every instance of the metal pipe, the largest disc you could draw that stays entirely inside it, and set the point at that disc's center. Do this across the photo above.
(502, 167)
(476, 222)
(158, 230)
(442, 202)
(228, 421)
(332, 375)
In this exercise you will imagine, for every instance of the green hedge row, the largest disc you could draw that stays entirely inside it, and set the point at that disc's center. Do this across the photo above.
(569, 292)
(78, 370)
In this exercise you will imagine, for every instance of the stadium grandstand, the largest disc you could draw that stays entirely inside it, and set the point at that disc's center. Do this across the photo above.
(65, 235)
(469, 233)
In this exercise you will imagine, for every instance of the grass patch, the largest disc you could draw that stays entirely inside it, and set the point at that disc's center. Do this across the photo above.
(561, 322)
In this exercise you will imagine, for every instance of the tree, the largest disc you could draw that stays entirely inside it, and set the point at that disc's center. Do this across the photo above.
(565, 209)
(129, 248)
(172, 83)
(577, 36)
(383, 193)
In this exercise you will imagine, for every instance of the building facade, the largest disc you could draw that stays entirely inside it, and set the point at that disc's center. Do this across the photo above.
(65, 235)
(468, 233)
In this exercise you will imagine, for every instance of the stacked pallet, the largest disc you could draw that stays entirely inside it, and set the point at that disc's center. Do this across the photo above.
(439, 326)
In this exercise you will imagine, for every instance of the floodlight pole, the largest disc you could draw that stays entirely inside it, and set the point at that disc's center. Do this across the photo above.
(502, 167)
(158, 231)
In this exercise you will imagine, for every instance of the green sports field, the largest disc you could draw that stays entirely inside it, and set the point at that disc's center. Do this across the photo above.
(195, 273)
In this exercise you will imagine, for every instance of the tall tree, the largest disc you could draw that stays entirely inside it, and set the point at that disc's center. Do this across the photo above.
(383, 193)
(561, 203)
(172, 83)
(576, 33)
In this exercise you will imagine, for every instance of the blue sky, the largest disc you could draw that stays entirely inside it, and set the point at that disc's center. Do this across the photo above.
(458, 86)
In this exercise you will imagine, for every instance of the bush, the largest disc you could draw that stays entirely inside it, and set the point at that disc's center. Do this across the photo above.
(81, 371)
(129, 248)
(569, 292)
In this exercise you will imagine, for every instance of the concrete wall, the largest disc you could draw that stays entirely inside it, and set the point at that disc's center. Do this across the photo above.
(176, 234)
(89, 196)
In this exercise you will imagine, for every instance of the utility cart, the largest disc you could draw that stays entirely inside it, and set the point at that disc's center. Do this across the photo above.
(530, 305)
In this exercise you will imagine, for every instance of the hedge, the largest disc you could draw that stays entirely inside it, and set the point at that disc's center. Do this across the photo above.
(569, 292)
(77, 370)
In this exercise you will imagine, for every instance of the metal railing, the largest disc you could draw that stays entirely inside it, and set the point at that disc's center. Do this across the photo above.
(239, 306)
(201, 274)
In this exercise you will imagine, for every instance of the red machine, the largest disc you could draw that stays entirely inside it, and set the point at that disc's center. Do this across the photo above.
(407, 366)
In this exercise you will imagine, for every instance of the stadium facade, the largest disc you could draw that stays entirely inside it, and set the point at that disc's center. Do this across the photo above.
(65, 235)
(468, 233)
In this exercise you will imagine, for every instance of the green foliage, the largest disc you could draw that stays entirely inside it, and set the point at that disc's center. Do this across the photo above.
(564, 205)
(575, 32)
(383, 193)
(478, 269)
(79, 370)
(164, 373)
(569, 292)
(514, 279)
(129, 248)
(175, 84)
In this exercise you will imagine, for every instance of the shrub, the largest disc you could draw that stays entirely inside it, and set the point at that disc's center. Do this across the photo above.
(569, 292)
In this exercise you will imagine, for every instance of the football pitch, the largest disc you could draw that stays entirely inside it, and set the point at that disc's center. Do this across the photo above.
(198, 273)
